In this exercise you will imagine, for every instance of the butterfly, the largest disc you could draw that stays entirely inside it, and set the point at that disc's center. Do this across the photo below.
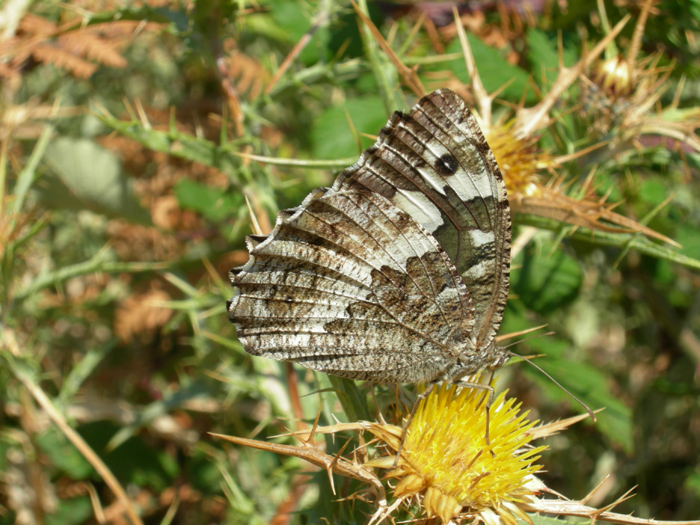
(399, 272)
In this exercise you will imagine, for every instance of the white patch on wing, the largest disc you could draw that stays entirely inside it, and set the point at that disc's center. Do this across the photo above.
(481, 268)
(420, 208)
(480, 237)
(406, 249)
(470, 185)
(433, 178)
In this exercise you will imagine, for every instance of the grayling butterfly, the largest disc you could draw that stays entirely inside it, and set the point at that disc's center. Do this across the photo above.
(399, 272)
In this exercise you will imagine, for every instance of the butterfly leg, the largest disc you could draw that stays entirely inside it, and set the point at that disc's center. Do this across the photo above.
(420, 398)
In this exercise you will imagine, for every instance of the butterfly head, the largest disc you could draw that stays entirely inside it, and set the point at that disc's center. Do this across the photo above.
(498, 356)
(490, 357)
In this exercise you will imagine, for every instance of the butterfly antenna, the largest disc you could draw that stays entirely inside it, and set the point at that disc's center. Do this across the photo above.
(590, 412)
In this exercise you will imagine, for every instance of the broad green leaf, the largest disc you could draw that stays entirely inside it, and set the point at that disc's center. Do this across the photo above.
(215, 204)
(693, 483)
(332, 136)
(294, 17)
(134, 461)
(543, 54)
(495, 71)
(688, 236)
(546, 281)
(586, 382)
(653, 192)
(90, 178)
(590, 385)
(63, 455)
(71, 511)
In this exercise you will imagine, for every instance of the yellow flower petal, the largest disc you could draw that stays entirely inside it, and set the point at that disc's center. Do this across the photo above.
(447, 461)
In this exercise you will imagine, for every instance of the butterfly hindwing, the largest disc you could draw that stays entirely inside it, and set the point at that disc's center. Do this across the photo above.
(349, 284)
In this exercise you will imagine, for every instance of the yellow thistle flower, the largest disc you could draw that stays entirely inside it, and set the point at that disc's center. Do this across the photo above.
(519, 159)
(447, 463)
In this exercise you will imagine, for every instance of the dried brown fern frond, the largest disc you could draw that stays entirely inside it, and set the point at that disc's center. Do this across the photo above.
(78, 49)
(247, 73)
(510, 28)
(141, 315)
(240, 76)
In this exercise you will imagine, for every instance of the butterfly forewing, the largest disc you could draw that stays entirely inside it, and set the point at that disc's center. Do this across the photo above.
(435, 164)
(350, 284)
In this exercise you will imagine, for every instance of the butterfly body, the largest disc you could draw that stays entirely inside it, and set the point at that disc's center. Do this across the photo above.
(396, 274)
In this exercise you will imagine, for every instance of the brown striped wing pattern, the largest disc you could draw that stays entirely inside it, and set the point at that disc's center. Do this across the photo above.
(350, 285)
(399, 272)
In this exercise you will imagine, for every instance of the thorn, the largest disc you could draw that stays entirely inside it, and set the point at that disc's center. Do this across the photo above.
(255, 225)
(142, 115)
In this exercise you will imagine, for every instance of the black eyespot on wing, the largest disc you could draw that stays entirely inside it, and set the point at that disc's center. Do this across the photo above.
(447, 165)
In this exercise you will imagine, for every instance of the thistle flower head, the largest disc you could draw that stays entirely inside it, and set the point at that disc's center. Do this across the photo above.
(447, 464)
(519, 159)
(615, 76)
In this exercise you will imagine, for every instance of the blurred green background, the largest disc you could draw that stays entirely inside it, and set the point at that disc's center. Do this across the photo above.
(124, 207)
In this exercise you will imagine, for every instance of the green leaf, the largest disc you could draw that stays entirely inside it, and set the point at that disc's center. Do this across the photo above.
(586, 382)
(495, 71)
(90, 177)
(203, 473)
(101, 262)
(83, 369)
(624, 241)
(692, 483)
(545, 282)
(158, 408)
(178, 144)
(353, 402)
(134, 461)
(331, 135)
(591, 386)
(543, 54)
(71, 511)
(28, 175)
(539, 519)
(652, 192)
(293, 17)
(689, 237)
(63, 455)
(296, 19)
(213, 203)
